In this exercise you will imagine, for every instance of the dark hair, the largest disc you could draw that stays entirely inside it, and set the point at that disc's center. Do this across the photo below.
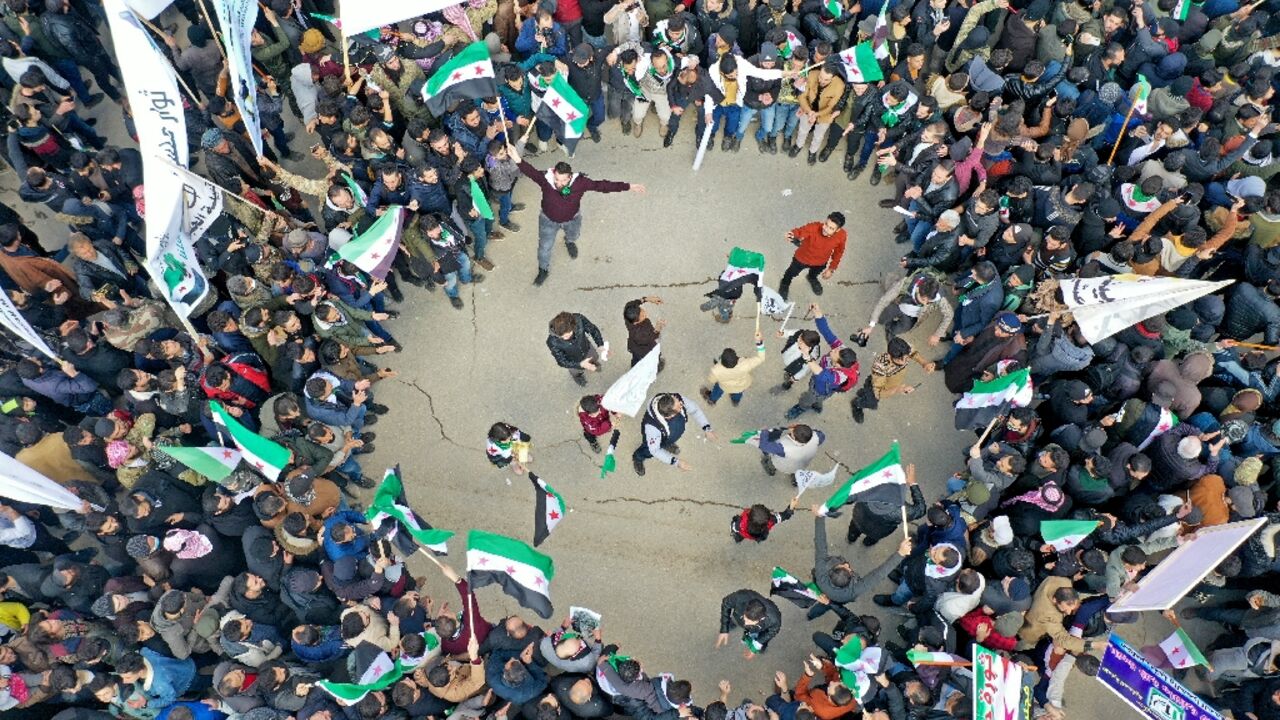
(802, 433)
(130, 662)
(729, 358)
(589, 404)
(837, 218)
(1133, 555)
(754, 611)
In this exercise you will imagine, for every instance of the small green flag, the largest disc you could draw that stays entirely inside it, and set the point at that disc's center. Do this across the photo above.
(480, 201)
(744, 437)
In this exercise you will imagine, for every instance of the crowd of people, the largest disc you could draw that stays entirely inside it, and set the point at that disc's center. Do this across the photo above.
(1023, 142)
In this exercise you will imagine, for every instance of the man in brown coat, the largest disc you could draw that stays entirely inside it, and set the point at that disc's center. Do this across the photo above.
(818, 109)
(1054, 601)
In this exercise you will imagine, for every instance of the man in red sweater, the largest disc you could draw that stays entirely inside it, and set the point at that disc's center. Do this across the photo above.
(562, 191)
(820, 245)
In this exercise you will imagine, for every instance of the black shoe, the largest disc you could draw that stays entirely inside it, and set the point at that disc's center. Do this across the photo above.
(541, 277)
(813, 158)
(794, 151)
(858, 415)
(848, 163)
(673, 448)
(595, 444)
(370, 419)
(706, 395)
(735, 401)
(93, 100)
(767, 463)
(378, 408)
(888, 203)
(869, 541)
(762, 146)
(900, 228)
(826, 153)
(727, 144)
(580, 378)
(852, 537)
(875, 177)
(573, 250)
(626, 126)
(737, 144)
(855, 171)
(816, 286)
(368, 437)
(394, 293)
(511, 226)
(594, 133)
(884, 600)
(638, 466)
(456, 302)
(363, 481)
(783, 290)
(772, 144)
(364, 450)
(668, 139)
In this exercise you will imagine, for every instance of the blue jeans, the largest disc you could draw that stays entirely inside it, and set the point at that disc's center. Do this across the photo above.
(480, 228)
(730, 114)
(869, 141)
(955, 484)
(717, 392)
(785, 119)
(504, 207)
(917, 228)
(463, 275)
(71, 72)
(1215, 193)
(766, 121)
(593, 41)
(596, 118)
(902, 594)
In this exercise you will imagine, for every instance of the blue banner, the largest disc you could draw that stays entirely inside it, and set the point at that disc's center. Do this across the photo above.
(1148, 689)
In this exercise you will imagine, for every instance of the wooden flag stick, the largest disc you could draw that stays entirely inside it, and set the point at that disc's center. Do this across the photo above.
(757, 317)
(1115, 148)
(906, 534)
(217, 36)
(1256, 346)
(346, 52)
(985, 433)
(151, 26)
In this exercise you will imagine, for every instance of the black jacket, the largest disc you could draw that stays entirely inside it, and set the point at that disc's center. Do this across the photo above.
(735, 603)
(75, 38)
(1250, 311)
(570, 353)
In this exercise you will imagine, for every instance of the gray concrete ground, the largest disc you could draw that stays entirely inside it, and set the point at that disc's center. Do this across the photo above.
(652, 554)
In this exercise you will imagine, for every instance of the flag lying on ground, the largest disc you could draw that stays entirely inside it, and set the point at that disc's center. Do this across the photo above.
(881, 481)
(744, 437)
(786, 585)
(1103, 306)
(480, 201)
(381, 674)
(940, 659)
(627, 394)
(860, 64)
(389, 503)
(373, 250)
(1141, 91)
(468, 75)
(549, 509)
(771, 302)
(986, 400)
(743, 263)
(265, 456)
(524, 573)
(564, 110)
(610, 455)
(1065, 534)
(1181, 651)
(806, 479)
(215, 463)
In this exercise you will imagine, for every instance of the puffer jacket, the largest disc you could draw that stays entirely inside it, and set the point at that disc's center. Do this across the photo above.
(570, 353)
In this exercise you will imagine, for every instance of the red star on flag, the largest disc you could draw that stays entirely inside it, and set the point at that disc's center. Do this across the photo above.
(511, 570)
(482, 561)
(572, 116)
(479, 70)
(553, 515)
(539, 582)
(847, 57)
(555, 102)
(258, 464)
(457, 75)
(226, 454)
(375, 255)
(886, 473)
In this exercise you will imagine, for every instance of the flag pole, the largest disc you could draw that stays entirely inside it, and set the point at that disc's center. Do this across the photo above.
(1125, 126)
(983, 438)
(346, 52)
(151, 26)
(1256, 346)
(757, 317)
(204, 12)
(906, 534)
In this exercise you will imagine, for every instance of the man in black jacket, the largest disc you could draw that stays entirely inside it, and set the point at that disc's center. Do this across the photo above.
(79, 41)
(570, 348)
(757, 615)
(586, 76)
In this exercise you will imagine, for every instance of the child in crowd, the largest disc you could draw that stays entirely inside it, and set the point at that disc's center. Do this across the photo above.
(755, 522)
(596, 420)
(508, 445)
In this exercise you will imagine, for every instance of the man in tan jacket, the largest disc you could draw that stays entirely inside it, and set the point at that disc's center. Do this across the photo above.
(1055, 600)
(818, 109)
(732, 374)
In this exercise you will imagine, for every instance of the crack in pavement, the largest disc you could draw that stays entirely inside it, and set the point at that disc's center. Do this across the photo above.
(623, 286)
(577, 443)
(659, 501)
(431, 408)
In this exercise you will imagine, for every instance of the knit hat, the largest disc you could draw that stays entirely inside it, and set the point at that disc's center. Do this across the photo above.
(1182, 318)
(976, 39)
(198, 34)
(1189, 448)
(210, 139)
(117, 453)
(1163, 394)
(104, 427)
(1008, 322)
(139, 546)
(960, 149)
(1110, 93)
(1078, 390)
(297, 239)
(977, 493)
(102, 606)
(1037, 10)
(768, 51)
(312, 41)
(1093, 441)
(1195, 517)
(582, 53)
(302, 581)
(1001, 530)
(1022, 232)
(1109, 208)
(728, 33)
(1019, 589)
(1244, 501)
(1247, 472)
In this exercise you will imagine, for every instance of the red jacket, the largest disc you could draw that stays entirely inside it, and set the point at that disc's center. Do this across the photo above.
(249, 382)
(597, 424)
(995, 641)
(818, 250)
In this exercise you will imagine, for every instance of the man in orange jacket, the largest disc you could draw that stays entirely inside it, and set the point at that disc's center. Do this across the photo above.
(820, 245)
(833, 699)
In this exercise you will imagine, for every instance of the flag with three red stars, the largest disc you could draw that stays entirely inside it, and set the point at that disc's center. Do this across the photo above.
(266, 456)
(373, 250)
(215, 463)
(467, 76)
(564, 110)
(524, 573)
(549, 512)
(881, 481)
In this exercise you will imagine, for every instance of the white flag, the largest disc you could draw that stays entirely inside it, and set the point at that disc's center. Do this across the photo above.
(772, 304)
(148, 9)
(1103, 306)
(237, 18)
(21, 483)
(12, 319)
(628, 393)
(806, 479)
(171, 258)
(358, 17)
(201, 202)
